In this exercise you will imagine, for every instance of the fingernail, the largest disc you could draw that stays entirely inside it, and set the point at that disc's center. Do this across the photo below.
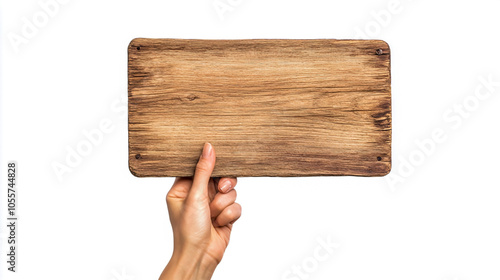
(207, 150)
(225, 186)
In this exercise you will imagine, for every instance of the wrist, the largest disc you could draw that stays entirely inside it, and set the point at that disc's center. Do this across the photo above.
(189, 265)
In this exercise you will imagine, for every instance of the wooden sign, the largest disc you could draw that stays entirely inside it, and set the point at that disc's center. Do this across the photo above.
(269, 107)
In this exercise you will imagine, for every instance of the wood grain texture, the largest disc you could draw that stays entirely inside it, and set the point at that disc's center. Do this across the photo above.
(269, 107)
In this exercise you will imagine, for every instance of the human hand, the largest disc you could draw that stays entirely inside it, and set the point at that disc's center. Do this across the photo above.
(202, 211)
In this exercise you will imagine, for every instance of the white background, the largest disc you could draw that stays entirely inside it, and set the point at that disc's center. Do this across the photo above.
(441, 220)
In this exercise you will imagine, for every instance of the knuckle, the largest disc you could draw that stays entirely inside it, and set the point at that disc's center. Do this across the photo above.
(197, 197)
(203, 167)
(229, 212)
(170, 196)
(218, 203)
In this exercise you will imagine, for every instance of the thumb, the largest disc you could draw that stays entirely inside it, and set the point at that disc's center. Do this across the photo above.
(203, 172)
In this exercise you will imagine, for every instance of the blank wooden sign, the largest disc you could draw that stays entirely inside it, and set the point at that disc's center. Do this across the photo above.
(269, 107)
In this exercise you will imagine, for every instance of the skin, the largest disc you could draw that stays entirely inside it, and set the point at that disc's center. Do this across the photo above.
(202, 211)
